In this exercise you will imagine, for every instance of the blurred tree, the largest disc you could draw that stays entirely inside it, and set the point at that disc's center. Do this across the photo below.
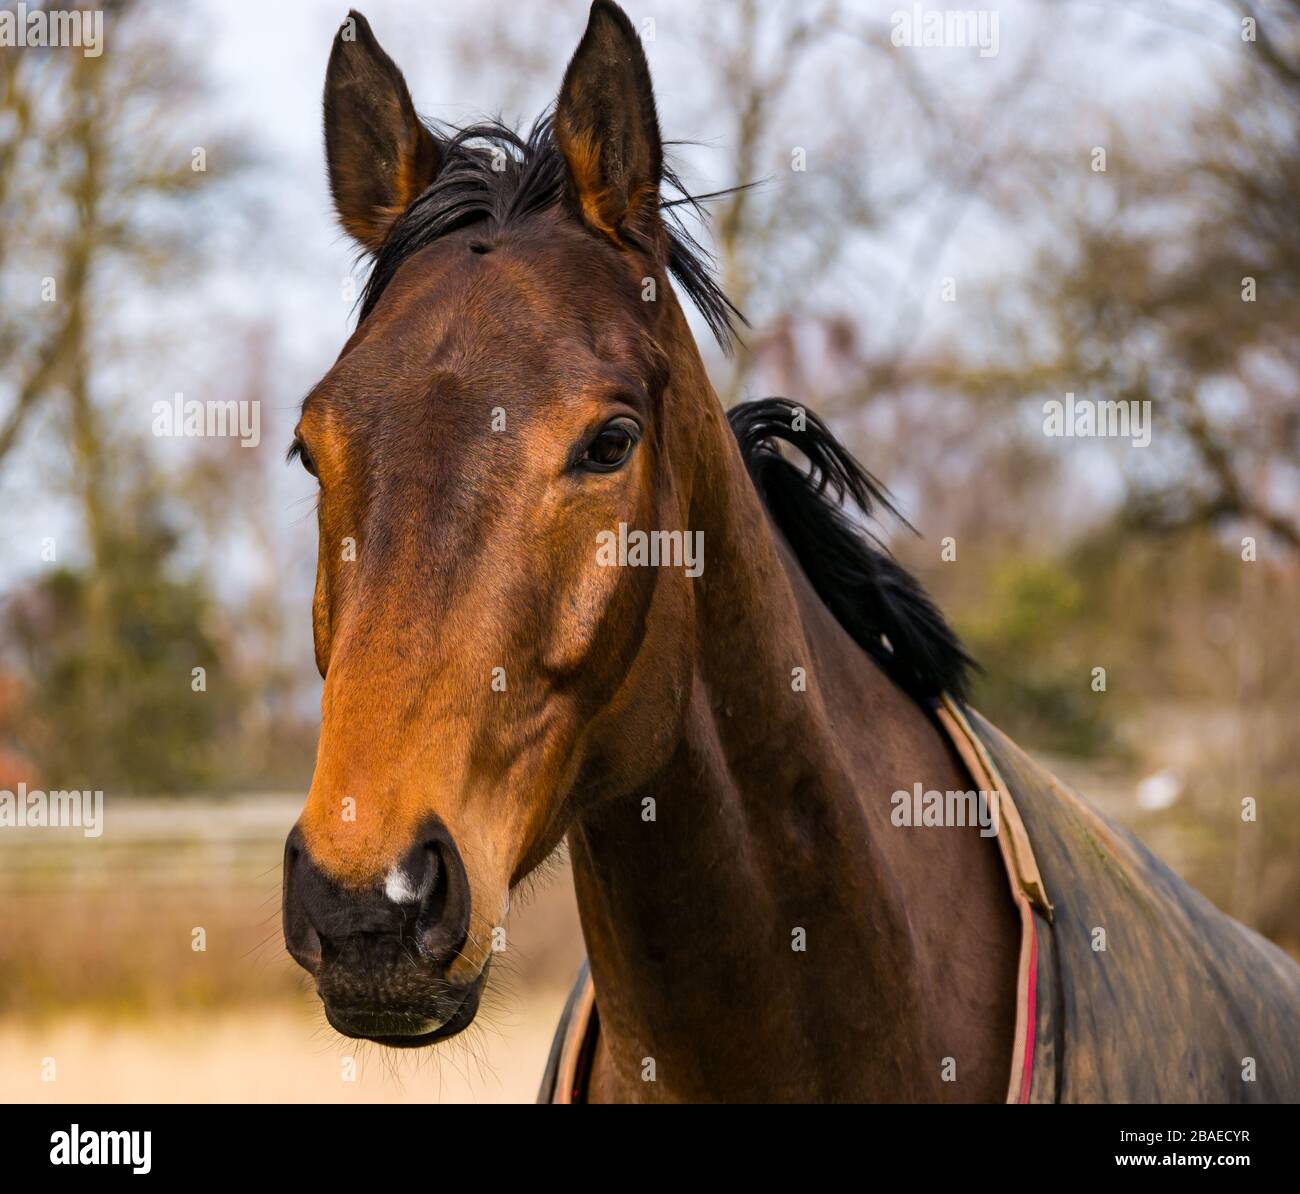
(100, 193)
(111, 703)
(1175, 280)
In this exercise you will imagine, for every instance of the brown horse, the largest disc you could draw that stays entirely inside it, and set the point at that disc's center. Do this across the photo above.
(560, 596)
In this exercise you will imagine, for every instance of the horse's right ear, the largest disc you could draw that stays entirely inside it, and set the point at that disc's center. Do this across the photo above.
(606, 127)
(380, 156)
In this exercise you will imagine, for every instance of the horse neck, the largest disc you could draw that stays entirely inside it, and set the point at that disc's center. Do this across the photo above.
(752, 939)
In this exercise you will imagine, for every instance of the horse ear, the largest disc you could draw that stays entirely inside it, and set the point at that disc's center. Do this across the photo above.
(606, 127)
(380, 156)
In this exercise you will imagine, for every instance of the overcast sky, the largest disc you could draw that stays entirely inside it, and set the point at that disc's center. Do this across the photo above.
(267, 66)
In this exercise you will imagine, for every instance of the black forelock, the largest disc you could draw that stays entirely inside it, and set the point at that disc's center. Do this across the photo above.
(493, 176)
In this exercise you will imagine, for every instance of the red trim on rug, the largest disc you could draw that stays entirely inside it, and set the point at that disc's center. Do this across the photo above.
(1031, 1017)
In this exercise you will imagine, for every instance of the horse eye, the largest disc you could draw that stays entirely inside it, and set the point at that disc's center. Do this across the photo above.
(299, 450)
(611, 447)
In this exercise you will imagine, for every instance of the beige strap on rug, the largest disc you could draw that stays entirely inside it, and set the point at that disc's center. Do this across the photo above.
(1026, 884)
(567, 1079)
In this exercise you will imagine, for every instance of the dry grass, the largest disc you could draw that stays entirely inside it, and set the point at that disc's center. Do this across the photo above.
(98, 971)
(269, 1055)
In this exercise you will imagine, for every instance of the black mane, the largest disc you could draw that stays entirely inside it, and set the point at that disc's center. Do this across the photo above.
(493, 175)
(874, 598)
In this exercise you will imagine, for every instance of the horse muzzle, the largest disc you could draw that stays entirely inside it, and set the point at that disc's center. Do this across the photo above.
(381, 954)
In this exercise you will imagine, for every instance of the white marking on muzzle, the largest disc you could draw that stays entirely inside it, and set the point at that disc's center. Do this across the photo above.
(399, 889)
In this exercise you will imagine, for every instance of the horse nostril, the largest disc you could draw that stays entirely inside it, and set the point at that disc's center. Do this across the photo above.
(300, 936)
(442, 924)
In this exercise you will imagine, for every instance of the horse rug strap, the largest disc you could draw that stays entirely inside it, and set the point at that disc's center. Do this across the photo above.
(1132, 988)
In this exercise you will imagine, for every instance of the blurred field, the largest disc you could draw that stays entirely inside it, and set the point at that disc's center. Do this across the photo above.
(98, 973)
(269, 1055)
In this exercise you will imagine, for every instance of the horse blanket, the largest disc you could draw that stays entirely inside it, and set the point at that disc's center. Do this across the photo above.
(1132, 987)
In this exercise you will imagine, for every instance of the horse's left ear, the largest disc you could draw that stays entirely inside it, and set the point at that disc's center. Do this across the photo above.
(606, 127)
(380, 155)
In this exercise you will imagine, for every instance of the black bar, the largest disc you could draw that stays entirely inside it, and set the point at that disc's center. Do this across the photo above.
(1032, 1146)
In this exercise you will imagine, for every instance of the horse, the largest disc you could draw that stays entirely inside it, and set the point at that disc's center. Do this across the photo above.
(722, 747)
